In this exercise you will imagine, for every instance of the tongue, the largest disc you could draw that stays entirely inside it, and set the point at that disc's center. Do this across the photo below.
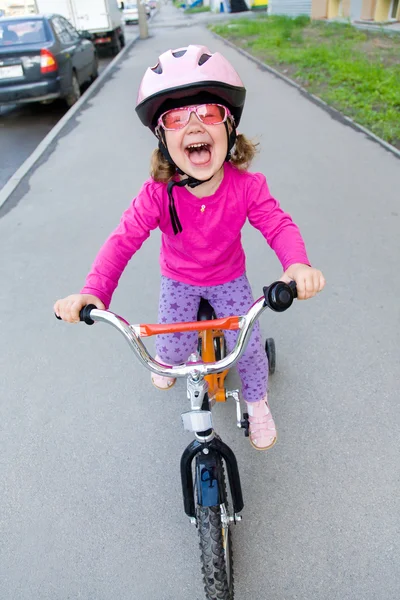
(200, 156)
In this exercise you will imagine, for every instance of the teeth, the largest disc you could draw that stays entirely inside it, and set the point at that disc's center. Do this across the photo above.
(197, 145)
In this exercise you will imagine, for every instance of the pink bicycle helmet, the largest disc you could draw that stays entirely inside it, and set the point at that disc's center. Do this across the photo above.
(194, 73)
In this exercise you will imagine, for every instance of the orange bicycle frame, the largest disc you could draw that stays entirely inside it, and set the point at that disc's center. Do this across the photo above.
(216, 382)
(209, 331)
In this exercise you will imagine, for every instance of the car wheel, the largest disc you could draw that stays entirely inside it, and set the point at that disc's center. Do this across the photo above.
(95, 72)
(117, 47)
(75, 92)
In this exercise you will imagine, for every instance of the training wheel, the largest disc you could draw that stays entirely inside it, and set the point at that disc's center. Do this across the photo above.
(271, 354)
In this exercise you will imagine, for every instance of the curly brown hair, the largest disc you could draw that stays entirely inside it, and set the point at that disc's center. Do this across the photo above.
(242, 154)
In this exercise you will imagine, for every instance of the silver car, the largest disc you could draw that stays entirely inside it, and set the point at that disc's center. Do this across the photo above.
(130, 13)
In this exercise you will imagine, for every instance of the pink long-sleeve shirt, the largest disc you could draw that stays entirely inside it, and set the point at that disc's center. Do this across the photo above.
(209, 250)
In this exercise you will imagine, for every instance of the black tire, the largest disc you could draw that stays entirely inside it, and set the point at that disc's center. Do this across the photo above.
(117, 46)
(75, 92)
(122, 40)
(216, 554)
(219, 342)
(271, 354)
(220, 347)
(216, 547)
(95, 72)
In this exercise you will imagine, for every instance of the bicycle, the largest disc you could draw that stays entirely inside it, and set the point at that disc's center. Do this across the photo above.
(206, 499)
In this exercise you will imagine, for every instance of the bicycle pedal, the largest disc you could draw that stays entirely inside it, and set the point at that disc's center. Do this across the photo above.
(244, 423)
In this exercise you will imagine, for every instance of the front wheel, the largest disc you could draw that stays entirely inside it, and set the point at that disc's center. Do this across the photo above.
(216, 552)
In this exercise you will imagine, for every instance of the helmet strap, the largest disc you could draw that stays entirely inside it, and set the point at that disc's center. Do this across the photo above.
(192, 182)
(231, 139)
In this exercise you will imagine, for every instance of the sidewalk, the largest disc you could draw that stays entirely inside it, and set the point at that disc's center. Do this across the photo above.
(386, 25)
(169, 16)
(392, 28)
(91, 499)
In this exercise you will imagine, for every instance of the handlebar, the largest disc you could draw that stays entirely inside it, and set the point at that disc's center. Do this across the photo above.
(278, 297)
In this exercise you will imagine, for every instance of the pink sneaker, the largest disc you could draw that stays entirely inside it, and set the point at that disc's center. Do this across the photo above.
(161, 382)
(262, 427)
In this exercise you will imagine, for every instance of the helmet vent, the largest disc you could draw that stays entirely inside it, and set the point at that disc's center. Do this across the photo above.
(204, 58)
(157, 69)
(179, 53)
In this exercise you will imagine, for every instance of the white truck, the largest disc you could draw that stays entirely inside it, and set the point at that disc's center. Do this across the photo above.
(100, 20)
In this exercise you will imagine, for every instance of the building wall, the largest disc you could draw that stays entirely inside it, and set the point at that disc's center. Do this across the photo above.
(346, 8)
(368, 9)
(18, 7)
(291, 8)
(319, 9)
(377, 10)
(331, 9)
(382, 10)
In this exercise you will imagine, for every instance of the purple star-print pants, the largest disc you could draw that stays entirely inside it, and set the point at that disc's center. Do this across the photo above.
(180, 302)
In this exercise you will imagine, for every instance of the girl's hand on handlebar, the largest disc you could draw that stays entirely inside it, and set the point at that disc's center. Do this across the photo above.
(68, 308)
(309, 281)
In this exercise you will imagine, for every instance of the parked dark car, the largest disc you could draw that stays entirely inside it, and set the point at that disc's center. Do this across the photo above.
(43, 58)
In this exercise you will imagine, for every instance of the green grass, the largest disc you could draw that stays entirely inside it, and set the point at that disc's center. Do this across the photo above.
(190, 11)
(197, 9)
(357, 72)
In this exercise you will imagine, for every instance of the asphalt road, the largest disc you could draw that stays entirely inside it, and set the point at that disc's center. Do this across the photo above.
(22, 127)
(91, 504)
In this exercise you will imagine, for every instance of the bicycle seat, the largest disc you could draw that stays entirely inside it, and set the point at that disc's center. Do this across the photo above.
(206, 311)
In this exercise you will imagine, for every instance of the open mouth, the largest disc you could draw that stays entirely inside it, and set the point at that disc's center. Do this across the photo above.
(198, 154)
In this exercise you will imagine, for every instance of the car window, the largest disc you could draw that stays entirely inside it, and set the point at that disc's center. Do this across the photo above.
(71, 30)
(62, 33)
(23, 31)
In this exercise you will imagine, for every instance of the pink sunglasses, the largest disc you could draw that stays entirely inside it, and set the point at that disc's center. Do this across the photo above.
(209, 114)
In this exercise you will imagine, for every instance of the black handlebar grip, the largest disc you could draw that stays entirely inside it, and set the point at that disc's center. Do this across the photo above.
(293, 287)
(279, 295)
(84, 314)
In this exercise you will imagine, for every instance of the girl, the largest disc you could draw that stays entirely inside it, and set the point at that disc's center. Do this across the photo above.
(200, 192)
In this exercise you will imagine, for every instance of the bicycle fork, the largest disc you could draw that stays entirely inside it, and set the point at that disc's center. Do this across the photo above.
(210, 451)
(210, 485)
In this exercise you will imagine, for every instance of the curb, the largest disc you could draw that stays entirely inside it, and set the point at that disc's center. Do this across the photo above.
(334, 113)
(27, 165)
